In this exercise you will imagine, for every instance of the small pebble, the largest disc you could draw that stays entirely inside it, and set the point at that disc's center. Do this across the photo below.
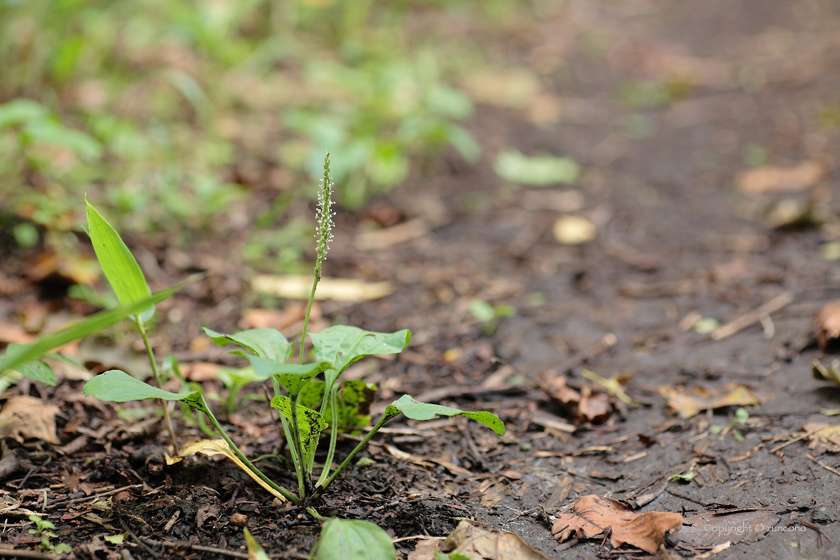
(239, 520)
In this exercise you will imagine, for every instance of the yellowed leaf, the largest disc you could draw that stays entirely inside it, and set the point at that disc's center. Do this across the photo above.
(591, 516)
(574, 230)
(212, 447)
(25, 417)
(337, 289)
(780, 179)
(823, 435)
(689, 405)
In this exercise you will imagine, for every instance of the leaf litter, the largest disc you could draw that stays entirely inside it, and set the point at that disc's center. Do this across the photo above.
(699, 399)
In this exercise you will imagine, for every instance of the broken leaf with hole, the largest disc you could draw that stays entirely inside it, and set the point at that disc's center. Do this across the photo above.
(592, 515)
(689, 404)
(474, 543)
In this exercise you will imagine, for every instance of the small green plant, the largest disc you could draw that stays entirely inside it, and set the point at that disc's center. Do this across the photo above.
(43, 529)
(307, 406)
(741, 417)
(490, 315)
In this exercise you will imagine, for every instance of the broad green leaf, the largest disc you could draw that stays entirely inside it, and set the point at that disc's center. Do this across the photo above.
(39, 371)
(255, 551)
(118, 386)
(538, 171)
(265, 343)
(94, 323)
(291, 376)
(354, 400)
(117, 262)
(310, 424)
(344, 539)
(342, 345)
(425, 411)
(56, 134)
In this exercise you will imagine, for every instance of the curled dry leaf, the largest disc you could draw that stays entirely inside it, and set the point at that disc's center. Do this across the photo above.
(823, 437)
(690, 404)
(25, 417)
(585, 406)
(476, 543)
(780, 179)
(337, 289)
(827, 324)
(220, 447)
(591, 516)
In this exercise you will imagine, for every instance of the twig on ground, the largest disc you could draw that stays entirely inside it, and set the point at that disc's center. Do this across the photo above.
(752, 317)
(823, 465)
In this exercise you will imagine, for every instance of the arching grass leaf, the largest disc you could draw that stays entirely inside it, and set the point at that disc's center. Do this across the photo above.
(265, 343)
(342, 345)
(353, 539)
(310, 424)
(95, 323)
(425, 411)
(118, 264)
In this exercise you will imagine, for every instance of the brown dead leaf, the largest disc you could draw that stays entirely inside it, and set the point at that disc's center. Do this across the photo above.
(585, 406)
(493, 495)
(591, 516)
(827, 324)
(780, 179)
(716, 528)
(478, 544)
(276, 318)
(690, 404)
(25, 417)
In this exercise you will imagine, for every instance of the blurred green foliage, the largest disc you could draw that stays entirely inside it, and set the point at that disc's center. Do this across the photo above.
(168, 111)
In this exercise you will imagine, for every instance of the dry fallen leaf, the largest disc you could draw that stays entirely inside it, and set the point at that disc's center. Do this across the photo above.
(699, 399)
(337, 289)
(826, 437)
(585, 406)
(716, 528)
(25, 417)
(574, 230)
(591, 516)
(220, 447)
(827, 324)
(476, 543)
(778, 179)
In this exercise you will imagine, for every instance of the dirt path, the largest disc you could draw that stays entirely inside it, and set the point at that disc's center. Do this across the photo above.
(675, 236)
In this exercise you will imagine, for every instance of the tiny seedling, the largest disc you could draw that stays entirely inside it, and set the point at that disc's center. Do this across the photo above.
(307, 406)
(741, 417)
(43, 528)
(490, 315)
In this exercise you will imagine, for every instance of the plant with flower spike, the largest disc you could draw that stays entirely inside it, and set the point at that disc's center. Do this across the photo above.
(305, 403)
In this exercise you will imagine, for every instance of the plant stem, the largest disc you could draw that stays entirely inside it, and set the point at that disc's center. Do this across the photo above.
(285, 493)
(333, 396)
(308, 311)
(297, 458)
(320, 489)
(164, 404)
(311, 511)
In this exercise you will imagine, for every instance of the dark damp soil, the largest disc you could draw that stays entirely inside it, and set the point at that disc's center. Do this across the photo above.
(675, 237)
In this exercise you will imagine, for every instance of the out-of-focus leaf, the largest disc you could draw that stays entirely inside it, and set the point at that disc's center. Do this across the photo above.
(19, 111)
(118, 386)
(345, 539)
(265, 343)
(537, 171)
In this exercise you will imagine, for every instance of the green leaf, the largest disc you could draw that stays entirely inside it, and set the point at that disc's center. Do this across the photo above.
(265, 343)
(538, 171)
(56, 134)
(39, 371)
(425, 411)
(117, 262)
(19, 111)
(342, 345)
(343, 539)
(118, 386)
(310, 424)
(94, 323)
(291, 376)
(117, 539)
(255, 551)
(482, 310)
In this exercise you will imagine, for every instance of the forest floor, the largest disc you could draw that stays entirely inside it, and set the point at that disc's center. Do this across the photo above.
(689, 237)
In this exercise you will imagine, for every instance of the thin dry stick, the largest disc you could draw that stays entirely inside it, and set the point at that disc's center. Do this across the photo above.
(823, 465)
(794, 440)
(752, 317)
